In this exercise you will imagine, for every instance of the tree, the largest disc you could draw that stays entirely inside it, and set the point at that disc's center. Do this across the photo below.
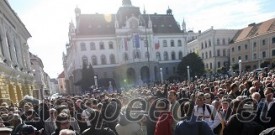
(87, 79)
(195, 64)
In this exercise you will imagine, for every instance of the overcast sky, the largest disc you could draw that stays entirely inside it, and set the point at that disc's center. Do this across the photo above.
(48, 20)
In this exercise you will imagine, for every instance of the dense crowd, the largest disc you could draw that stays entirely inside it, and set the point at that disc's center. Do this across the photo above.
(237, 105)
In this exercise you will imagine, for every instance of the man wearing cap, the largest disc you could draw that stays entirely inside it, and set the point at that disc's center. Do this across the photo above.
(28, 130)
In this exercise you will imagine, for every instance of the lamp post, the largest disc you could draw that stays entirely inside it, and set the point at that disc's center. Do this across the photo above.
(161, 75)
(96, 85)
(240, 67)
(188, 73)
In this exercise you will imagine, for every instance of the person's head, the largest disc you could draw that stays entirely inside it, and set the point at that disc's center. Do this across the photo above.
(66, 132)
(225, 103)
(5, 131)
(28, 130)
(200, 99)
(28, 106)
(63, 121)
(256, 84)
(256, 96)
(217, 104)
(237, 106)
(78, 103)
(172, 96)
(207, 98)
(252, 90)
(16, 120)
(53, 113)
(269, 93)
(162, 105)
(234, 87)
(206, 90)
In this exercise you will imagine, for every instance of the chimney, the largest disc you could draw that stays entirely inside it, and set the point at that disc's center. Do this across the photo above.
(251, 24)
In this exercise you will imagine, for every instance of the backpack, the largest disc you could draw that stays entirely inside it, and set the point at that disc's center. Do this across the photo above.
(269, 131)
(252, 128)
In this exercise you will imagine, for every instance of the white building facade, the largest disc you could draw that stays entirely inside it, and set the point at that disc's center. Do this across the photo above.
(129, 47)
(212, 46)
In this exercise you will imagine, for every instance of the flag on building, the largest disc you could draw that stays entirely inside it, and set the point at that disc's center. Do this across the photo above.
(125, 41)
(156, 42)
(136, 40)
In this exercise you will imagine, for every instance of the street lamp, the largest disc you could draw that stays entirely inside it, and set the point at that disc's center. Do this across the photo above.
(96, 85)
(161, 75)
(188, 73)
(240, 67)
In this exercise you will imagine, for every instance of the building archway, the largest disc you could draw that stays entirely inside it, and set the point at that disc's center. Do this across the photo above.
(145, 74)
(131, 76)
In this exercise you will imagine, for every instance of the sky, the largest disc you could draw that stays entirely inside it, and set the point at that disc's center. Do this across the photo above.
(48, 20)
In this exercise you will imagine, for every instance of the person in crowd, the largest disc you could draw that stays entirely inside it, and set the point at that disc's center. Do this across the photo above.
(189, 125)
(62, 122)
(66, 132)
(50, 125)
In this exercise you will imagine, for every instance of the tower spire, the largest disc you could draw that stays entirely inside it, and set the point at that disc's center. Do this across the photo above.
(126, 3)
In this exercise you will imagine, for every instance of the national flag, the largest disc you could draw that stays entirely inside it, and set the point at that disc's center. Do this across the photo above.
(125, 44)
(136, 40)
(156, 42)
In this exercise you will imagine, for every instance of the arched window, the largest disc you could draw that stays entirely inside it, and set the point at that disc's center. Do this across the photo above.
(84, 60)
(92, 46)
(209, 43)
(172, 43)
(218, 41)
(224, 52)
(202, 55)
(82, 46)
(158, 56)
(103, 59)
(210, 54)
(125, 57)
(173, 55)
(101, 45)
(94, 60)
(180, 55)
(112, 59)
(218, 52)
(165, 56)
(219, 64)
(206, 55)
(223, 41)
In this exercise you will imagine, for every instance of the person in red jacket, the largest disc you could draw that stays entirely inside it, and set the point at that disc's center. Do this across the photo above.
(164, 122)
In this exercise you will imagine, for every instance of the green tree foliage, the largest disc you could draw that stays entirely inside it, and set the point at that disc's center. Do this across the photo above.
(195, 64)
(87, 79)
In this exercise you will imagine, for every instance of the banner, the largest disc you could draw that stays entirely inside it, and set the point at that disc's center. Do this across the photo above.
(156, 42)
(136, 40)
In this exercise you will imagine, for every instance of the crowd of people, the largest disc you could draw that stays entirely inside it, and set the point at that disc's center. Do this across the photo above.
(237, 105)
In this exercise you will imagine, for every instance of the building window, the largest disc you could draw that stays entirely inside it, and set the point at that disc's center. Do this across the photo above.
(158, 56)
(232, 49)
(210, 54)
(92, 46)
(205, 43)
(240, 57)
(165, 56)
(263, 42)
(218, 41)
(254, 44)
(218, 52)
(94, 60)
(103, 60)
(84, 60)
(254, 56)
(179, 43)
(239, 48)
(101, 44)
(111, 45)
(167, 70)
(125, 57)
(206, 55)
(273, 40)
(209, 42)
(172, 43)
(201, 45)
(136, 54)
(233, 60)
(246, 57)
(223, 41)
(202, 55)
(210, 65)
(173, 56)
(263, 54)
(112, 59)
(82, 46)
(180, 55)
(223, 52)
(245, 46)
(219, 64)
(273, 52)
(164, 43)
